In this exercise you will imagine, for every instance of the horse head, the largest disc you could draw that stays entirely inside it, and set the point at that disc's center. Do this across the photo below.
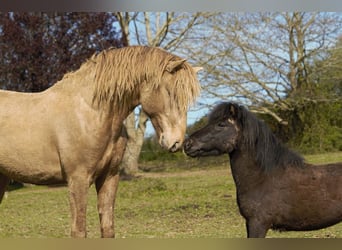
(167, 104)
(219, 136)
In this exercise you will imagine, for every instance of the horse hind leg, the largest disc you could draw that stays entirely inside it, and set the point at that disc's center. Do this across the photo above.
(4, 181)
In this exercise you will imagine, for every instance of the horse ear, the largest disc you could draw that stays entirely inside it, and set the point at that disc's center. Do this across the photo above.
(233, 110)
(172, 65)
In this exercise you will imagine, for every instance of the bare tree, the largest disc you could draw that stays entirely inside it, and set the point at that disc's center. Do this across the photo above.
(262, 59)
(167, 30)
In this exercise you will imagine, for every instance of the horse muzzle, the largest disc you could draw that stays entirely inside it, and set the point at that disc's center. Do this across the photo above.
(188, 148)
(171, 145)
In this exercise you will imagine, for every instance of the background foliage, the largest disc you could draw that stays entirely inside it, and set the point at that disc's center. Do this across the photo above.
(37, 49)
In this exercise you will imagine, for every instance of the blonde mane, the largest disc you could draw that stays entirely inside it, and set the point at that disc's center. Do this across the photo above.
(119, 71)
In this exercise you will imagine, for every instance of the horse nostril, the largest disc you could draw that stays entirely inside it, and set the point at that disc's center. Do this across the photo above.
(174, 147)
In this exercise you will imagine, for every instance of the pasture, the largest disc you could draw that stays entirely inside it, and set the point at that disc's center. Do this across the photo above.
(178, 203)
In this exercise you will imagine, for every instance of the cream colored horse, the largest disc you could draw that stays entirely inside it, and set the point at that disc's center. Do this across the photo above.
(73, 132)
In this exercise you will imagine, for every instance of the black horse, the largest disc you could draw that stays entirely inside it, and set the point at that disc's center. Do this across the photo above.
(275, 188)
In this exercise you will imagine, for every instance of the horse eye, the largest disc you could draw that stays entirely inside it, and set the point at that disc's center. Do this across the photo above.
(222, 124)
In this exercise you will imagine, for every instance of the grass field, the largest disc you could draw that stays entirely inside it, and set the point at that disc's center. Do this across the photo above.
(192, 203)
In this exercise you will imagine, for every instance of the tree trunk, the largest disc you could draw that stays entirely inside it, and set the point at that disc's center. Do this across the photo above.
(129, 165)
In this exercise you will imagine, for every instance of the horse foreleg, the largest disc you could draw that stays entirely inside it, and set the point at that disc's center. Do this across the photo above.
(78, 191)
(4, 181)
(256, 229)
(106, 191)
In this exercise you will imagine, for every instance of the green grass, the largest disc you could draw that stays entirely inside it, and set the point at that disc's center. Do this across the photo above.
(178, 204)
(324, 158)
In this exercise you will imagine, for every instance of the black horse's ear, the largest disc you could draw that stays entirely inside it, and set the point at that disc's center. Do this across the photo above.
(233, 110)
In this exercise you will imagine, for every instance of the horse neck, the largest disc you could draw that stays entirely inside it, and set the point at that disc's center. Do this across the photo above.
(72, 87)
(246, 173)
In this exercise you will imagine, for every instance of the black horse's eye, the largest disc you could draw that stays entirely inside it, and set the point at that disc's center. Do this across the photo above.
(222, 124)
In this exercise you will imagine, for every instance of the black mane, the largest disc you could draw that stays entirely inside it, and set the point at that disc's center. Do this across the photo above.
(257, 137)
